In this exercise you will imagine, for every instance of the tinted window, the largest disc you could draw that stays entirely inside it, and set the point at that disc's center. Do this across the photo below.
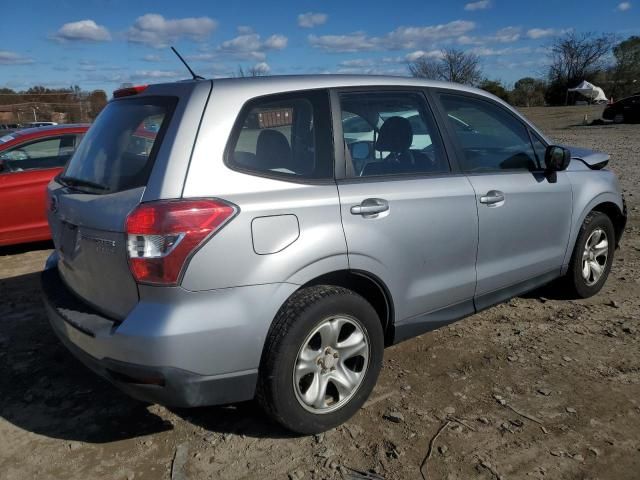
(119, 149)
(389, 134)
(284, 136)
(490, 138)
(45, 153)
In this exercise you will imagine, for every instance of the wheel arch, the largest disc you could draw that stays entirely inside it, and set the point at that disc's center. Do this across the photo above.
(367, 285)
(618, 218)
(608, 203)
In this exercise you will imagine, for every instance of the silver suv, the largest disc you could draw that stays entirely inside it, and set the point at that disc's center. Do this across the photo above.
(218, 241)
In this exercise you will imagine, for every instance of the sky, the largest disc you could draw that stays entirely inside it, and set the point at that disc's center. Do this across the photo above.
(103, 44)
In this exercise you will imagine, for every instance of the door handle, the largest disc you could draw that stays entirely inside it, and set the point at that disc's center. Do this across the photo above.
(492, 197)
(370, 207)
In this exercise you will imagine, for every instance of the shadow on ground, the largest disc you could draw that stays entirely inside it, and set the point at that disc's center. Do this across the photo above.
(45, 390)
(25, 247)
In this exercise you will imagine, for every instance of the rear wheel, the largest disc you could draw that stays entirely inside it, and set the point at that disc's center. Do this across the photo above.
(592, 256)
(321, 359)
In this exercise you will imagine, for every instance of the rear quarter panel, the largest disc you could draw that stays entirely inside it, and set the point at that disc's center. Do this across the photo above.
(229, 258)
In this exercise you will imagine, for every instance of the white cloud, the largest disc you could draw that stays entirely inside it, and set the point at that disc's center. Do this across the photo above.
(489, 52)
(201, 57)
(357, 63)
(152, 58)
(82, 31)
(623, 6)
(244, 29)
(311, 19)
(536, 33)
(480, 5)
(154, 30)
(398, 39)
(414, 37)
(12, 58)
(262, 68)
(351, 42)
(504, 35)
(252, 46)
(156, 74)
(413, 56)
(507, 35)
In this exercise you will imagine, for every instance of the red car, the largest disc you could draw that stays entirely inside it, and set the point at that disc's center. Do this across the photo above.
(29, 159)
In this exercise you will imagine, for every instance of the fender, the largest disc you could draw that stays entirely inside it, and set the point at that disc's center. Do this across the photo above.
(580, 214)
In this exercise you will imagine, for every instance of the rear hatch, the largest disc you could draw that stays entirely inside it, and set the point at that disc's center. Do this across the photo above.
(123, 160)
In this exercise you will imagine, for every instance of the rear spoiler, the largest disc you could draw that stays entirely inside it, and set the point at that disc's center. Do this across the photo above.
(592, 159)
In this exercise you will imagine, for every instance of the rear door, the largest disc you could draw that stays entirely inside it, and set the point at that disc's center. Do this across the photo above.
(409, 217)
(524, 219)
(26, 170)
(129, 144)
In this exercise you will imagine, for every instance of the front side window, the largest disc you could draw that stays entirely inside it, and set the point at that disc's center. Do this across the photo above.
(39, 154)
(540, 149)
(490, 138)
(390, 133)
(284, 136)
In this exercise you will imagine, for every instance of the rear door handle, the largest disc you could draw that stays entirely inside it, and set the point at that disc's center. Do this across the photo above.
(492, 197)
(370, 207)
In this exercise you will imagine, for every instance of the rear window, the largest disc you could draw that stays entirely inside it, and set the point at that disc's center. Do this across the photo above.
(118, 151)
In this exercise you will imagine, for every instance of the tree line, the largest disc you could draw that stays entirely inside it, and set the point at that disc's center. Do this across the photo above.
(40, 103)
(573, 57)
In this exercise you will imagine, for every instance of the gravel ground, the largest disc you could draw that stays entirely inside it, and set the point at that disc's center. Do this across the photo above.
(539, 387)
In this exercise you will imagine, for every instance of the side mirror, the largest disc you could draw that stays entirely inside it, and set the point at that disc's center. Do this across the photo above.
(360, 150)
(556, 159)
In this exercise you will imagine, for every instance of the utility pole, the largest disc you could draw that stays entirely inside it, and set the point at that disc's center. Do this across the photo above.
(35, 118)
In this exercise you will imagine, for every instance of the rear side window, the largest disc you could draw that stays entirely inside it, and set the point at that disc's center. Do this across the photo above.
(490, 138)
(118, 151)
(284, 136)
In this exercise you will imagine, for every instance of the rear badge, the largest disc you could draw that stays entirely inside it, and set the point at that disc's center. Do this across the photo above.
(102, 245)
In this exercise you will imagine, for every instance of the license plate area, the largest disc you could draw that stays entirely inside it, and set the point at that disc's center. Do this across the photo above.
(68, 239)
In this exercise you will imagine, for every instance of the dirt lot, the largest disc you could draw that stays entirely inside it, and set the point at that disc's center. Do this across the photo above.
(540, 387)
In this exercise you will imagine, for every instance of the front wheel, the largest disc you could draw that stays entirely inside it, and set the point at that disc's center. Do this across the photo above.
(592, 256)
(321, 359)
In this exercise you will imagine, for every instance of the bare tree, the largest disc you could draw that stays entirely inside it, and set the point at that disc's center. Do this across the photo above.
(575, 57)
(453, 66)
(426, 68)
(258, 70)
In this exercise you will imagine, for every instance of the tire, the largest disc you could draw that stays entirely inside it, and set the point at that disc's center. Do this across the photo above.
(576, 282)
(290, 372)
(618, 118)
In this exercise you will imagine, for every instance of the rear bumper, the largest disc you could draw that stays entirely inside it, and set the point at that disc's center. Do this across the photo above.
(157, 354)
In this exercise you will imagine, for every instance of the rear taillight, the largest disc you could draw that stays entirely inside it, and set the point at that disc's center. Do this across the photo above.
(161, 236)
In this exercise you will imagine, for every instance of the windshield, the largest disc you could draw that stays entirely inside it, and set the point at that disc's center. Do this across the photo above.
(118, 151)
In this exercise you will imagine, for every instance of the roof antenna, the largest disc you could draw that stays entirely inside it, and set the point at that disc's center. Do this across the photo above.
(195, 77)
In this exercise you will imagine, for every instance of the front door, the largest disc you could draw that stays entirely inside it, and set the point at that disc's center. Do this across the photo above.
(524, 220)
(409, 219)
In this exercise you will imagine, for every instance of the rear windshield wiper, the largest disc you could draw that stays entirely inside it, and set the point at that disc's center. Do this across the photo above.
(79, 182)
